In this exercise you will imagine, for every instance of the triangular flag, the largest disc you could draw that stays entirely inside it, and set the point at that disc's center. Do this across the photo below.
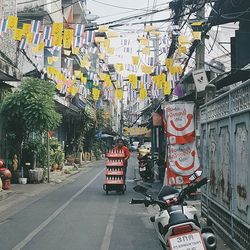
(183, 40)
(196, 35)
(103, 28)
(135, 60)
(17, 35)
(57, 29)
(12, 22)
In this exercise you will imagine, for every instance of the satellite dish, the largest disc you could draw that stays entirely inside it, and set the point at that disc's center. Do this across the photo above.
(216, 66)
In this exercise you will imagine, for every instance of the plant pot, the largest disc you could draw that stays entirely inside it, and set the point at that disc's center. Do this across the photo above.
(23, 180)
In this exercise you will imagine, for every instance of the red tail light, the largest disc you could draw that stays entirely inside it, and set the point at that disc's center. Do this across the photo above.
(182, 229)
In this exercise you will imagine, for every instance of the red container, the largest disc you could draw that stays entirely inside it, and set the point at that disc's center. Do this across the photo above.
(5, 175)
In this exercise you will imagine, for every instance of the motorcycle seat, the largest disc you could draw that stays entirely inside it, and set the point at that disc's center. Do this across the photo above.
(177, 218)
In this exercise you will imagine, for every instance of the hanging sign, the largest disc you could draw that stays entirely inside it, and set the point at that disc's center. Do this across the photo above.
(179, 121)
(182, 162)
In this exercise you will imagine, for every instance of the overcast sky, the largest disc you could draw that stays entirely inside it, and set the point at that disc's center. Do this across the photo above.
(126, 8)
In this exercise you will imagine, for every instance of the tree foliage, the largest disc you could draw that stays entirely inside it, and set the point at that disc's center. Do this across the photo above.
(30, 108)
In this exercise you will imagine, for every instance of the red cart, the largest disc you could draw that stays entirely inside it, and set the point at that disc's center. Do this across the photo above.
(114, 174)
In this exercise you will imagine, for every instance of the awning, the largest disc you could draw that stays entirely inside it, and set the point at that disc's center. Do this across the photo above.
(106, 136)
(229, 78)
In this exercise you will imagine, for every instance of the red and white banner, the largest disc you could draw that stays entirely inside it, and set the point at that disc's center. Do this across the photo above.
(179, 122)
(183, 161)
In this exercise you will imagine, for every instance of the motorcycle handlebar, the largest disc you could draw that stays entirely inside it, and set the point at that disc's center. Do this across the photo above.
(134, 201)
(190, 189)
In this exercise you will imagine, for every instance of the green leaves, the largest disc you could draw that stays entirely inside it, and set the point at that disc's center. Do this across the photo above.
(30, 108)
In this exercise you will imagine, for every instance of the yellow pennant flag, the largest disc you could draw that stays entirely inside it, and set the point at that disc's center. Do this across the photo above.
(75, 51)
(40, 46)
(66, 52)
(99, 39)
(149, 28)
(18, 34)
(143, 93)
(166, 89)
(146, 69)
(182, 49)
(57, 29)
(30, 38)
(51, 70)
(59, 86)
(169, 62)
(106, 43)
(110, 51)
(103, 76)
(135, 60)
(108, 82)
(50, 60)
(77, 74)
(172, 70)
(12, 22)
(196, 35)
(162, 77)
(101, 56)
(154, 33)
(57, 41)
(103, 28)
(119, 67)
(112, 34)
(146, 51)
(199, 23)
(144, 42)
(34, 50)
(96, 93)
(119, 94)
(83, 79)
(26, 28)
(68, 38)
(183, 40)
(72, 90)
(179, 69)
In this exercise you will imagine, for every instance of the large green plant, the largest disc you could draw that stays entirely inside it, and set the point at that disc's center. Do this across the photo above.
(30, 108)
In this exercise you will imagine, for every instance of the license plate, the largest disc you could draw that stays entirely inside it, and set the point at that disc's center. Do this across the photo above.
(143, 169)
(192, 241)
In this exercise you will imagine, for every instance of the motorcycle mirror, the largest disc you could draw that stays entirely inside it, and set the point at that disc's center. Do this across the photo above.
(140, 189)
(195, 175)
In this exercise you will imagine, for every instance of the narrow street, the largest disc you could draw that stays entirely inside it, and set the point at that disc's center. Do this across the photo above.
(79, 215)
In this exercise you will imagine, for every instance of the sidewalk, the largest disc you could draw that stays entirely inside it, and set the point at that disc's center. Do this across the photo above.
(19, 195)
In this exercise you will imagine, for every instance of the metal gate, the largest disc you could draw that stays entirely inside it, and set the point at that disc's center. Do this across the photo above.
(225, 156)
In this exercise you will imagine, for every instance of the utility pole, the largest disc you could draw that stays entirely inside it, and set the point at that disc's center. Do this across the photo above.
(200, 50)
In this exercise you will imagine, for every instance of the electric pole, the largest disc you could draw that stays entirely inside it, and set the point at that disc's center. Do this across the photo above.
(200, 50)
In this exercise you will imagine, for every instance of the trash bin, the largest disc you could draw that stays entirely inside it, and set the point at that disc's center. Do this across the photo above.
(5, 175)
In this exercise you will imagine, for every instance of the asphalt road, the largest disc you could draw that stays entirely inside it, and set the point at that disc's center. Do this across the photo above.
(79, 215)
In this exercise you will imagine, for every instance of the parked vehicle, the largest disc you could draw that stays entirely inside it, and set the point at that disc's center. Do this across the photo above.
(176, 223)
(146, 170)
(134, 146)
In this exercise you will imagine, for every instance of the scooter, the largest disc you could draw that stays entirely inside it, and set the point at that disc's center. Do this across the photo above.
(176, 223)
(145, 165)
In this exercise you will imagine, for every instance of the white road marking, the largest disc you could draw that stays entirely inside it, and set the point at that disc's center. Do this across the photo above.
(109, 229)
(30, 236)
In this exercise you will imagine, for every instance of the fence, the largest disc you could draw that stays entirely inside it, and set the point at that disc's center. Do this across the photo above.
(225, 147)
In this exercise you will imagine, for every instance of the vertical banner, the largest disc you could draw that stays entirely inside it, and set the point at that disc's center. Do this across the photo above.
(183, 161)
(179, 121)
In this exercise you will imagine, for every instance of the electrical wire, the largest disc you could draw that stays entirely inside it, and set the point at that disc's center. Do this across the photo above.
(216, 34)
(112, 5)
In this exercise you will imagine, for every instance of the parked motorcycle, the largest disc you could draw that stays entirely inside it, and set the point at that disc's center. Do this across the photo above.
(145, 165)
(176, 223)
